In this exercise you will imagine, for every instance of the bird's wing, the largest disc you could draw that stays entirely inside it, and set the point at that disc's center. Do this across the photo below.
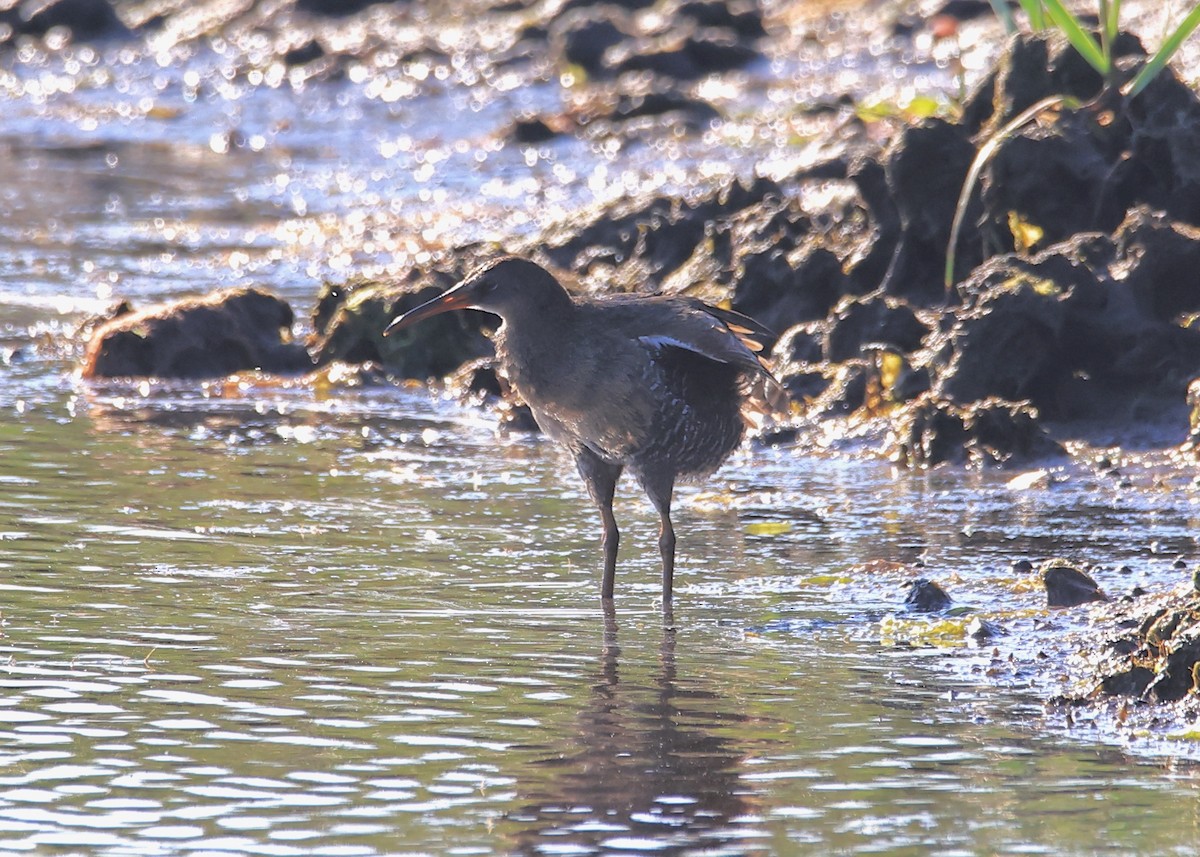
(691, 325)
(726, 337)
(754, 335)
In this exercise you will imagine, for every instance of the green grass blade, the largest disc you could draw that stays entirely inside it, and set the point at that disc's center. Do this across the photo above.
(1079, 38)
(1005, 15)
(1163, 55)
(1035, 13)
(1111, 22)
(1108, 28)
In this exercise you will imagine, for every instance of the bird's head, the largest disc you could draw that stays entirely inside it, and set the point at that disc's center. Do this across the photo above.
(508, 287)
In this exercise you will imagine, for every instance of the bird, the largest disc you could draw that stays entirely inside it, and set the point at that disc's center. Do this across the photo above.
(662, 386)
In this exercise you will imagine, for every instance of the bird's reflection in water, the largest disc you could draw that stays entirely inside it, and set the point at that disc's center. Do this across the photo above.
(650, 770)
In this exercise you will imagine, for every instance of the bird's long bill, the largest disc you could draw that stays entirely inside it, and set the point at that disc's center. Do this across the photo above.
(456, 298)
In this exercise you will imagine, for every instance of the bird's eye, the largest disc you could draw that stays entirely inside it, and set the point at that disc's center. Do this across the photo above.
(487, 286)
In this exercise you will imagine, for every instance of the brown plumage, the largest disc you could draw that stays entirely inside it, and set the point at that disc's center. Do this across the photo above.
(663, 386)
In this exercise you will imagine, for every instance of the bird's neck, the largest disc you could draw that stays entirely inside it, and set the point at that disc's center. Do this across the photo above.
(535, 351)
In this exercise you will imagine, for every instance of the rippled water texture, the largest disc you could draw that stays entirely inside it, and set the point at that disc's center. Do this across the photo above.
(367, 627)
(283, 621)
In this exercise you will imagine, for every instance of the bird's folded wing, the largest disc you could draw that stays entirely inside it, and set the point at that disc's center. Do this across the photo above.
(704, 334)
(722, 335)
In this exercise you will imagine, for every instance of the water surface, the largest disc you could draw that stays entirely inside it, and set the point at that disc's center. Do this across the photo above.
(278, 620)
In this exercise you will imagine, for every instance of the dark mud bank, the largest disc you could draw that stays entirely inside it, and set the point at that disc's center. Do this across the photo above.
(1073, 288)
(1078, 301)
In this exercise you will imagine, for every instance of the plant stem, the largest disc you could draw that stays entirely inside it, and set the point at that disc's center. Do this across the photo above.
(985, 153)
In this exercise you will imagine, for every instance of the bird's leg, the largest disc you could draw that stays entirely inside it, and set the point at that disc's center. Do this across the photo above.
(600, 477)
(609, 542)
(660, 488)
(666, 547)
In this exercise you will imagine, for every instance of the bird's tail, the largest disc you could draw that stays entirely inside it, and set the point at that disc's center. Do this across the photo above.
(766, 401)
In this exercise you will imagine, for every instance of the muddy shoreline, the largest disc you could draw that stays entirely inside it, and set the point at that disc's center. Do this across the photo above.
(1068, 336)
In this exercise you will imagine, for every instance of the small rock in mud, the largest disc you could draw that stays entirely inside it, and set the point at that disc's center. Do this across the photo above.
(703, 52)
(334, 8)
(781, 288)
(640, 242)
(743, 17)
(303, 54)
(581, 36)
(1130, 682)
(11, 356)
(926, 596)
(640, 109)
(964, 10)
(1068, 586)
(228, 331)
(801, 344)
(847, 389)
(803, 386)
(660, 101)
(478, 382)
(924, 169)
(855, 322)
(1008, 343)
(1031, 68)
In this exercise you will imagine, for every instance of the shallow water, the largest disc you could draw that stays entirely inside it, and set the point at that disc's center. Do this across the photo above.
(272, 620)
(367, 626)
